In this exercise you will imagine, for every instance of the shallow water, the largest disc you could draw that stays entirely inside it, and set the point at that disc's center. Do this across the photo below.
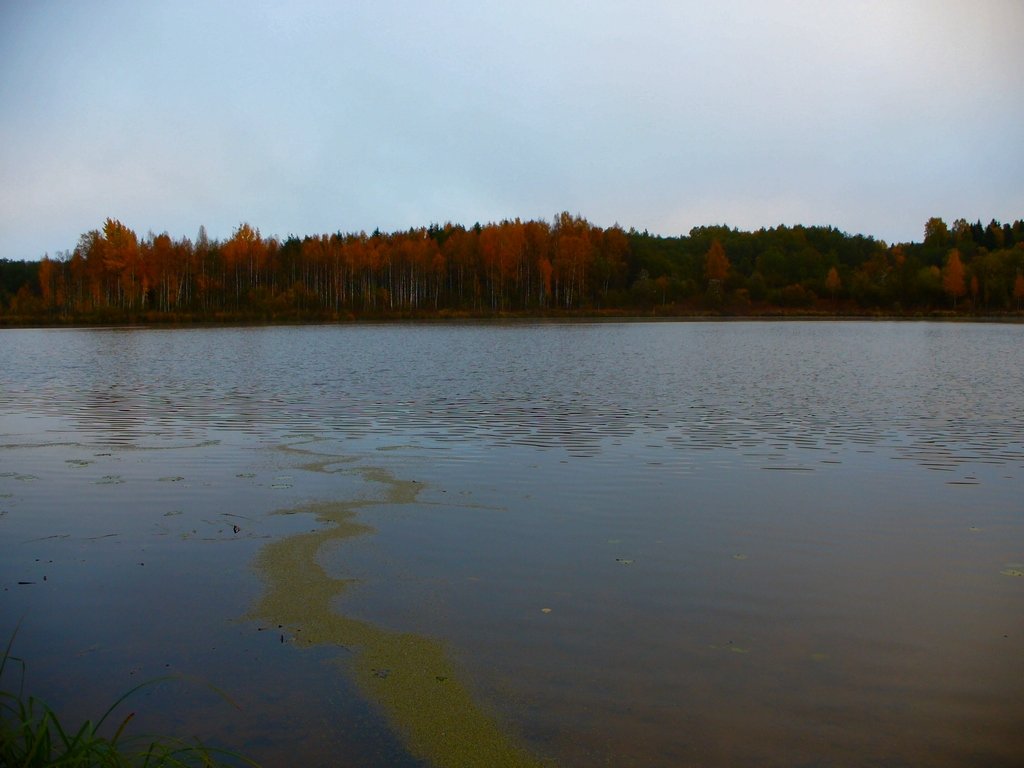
(634, 543)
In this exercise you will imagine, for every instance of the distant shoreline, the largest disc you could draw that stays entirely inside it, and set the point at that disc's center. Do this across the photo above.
(566, 268)
(225, 320)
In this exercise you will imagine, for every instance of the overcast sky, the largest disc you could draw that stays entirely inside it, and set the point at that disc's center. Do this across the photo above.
(312, 117)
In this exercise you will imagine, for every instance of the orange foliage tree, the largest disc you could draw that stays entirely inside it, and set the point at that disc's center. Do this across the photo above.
(953, 279)
(563, 264)
(832, 282)
(716, 268)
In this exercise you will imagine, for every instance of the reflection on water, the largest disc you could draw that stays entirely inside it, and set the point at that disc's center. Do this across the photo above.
(916, 390)
(649, 544)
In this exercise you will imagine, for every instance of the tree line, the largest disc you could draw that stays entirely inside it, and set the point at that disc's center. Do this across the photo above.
(531, 267)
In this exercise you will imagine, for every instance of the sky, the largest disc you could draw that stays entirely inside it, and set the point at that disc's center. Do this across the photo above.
(315, 117)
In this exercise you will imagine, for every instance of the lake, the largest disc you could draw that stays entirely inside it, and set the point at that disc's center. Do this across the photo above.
(573, 544)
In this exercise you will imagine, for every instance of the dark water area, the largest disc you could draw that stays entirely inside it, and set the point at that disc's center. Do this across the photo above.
(650, 544)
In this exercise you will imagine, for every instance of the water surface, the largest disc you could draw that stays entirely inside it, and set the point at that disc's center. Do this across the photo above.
(627, 543)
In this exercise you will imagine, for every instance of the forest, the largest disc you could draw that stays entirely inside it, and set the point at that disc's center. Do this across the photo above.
(517, 268)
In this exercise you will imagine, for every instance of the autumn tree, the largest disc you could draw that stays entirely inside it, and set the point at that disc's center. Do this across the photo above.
(936, 233)
(500, 246)
(832, 282)
(204, 270)
(243, 256)
(438, 267)
(460, 250)
(716, 268)
(513, 265)
(538, 253)
(162, 272)
(122, 264)
(953, 280)
(49, 277)
(716, 263)
(573, 254)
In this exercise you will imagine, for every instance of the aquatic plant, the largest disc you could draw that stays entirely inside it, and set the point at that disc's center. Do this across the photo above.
(31, 735)
(409, 676)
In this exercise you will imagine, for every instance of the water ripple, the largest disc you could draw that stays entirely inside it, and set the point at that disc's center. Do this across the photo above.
(915, 394)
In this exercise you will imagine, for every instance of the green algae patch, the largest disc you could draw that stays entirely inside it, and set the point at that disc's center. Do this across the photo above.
(317, 462)
(415, 684)
(408, 676)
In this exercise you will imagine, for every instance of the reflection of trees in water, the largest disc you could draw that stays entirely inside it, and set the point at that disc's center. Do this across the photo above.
(907, 389)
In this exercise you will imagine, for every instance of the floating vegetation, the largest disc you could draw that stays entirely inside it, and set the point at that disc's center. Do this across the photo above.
(110, 480)
(1013, 569)
(739, 556)
(731, 647)
(246, 474)
(321, 462)
(282, 481)
(78, 462)
(406, 675)
(623, 561)
(175, 479)
(329, 466)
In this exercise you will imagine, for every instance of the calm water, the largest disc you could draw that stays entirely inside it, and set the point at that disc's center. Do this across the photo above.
(637, 544)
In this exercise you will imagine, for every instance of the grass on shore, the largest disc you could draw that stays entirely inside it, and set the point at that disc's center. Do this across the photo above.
(32, 736)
